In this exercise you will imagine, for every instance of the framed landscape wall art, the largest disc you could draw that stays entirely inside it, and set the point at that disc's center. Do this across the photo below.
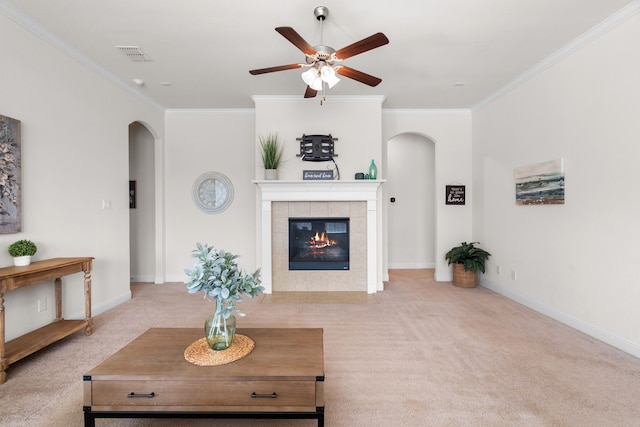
(540, 183)
(10, 194)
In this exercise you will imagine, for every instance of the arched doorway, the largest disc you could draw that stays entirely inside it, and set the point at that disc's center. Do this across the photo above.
(142, 202)
(411, 205)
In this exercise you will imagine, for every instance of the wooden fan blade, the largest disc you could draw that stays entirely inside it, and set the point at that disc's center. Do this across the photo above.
(310, 93)
(278, 68)
(297, 40)
(358, 75)
(371, 42)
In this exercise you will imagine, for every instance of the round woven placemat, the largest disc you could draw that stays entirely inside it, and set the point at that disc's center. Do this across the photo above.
(199, 353)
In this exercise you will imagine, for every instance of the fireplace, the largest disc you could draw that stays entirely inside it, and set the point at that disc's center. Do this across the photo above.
(318, 243)
(356, 200)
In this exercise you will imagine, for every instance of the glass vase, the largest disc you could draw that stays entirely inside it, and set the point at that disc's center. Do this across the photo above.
(218, 330)
(373, 170)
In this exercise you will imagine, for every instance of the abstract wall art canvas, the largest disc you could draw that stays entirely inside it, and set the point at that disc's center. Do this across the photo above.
(540, 183)
(10, 193)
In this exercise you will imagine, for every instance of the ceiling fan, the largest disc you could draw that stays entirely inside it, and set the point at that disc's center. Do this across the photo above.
(323, 61)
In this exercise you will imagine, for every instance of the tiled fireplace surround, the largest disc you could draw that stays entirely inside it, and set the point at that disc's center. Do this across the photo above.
(356, 200)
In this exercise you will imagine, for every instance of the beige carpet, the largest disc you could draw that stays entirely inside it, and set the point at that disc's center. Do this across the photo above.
(427, 354)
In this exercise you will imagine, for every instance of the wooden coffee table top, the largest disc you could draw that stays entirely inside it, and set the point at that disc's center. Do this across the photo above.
(158, 354)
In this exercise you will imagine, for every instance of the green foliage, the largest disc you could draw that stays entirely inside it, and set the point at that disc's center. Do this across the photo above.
(22, 248)
(468, 254)
(217, 274)
(271, 151)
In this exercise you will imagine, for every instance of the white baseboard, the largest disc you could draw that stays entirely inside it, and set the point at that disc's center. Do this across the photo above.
(410, 265)
(447, 276)
(591, 330)
(101, 308)
(176, 278)
(143, 278)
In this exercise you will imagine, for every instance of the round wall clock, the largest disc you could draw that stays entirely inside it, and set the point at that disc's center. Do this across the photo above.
(212, 192)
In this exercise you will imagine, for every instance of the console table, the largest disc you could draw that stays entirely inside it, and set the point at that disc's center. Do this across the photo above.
(12, 278)
(282, 377)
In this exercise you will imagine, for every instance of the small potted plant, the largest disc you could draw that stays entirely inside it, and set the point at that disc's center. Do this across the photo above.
(467, 260)
(22, 251)
(271, 152)
(217, 274)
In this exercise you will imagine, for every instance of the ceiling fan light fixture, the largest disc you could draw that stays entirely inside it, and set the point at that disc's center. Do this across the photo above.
(316, 84)
(328, 75)
(310, 76)
(324, 62)
(314, 77)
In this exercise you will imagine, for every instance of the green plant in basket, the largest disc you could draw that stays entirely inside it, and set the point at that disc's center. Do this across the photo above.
(467, 254)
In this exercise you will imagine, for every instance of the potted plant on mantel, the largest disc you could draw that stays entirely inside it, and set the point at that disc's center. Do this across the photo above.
(271, 152)
(22, 251)
(467, 260)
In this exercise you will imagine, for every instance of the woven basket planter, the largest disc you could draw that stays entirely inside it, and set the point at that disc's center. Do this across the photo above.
(464, 279)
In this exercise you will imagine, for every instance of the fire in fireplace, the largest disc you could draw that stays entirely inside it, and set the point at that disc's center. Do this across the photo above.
(318, 243)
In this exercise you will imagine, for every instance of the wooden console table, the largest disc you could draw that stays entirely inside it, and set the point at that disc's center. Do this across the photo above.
(12, 278)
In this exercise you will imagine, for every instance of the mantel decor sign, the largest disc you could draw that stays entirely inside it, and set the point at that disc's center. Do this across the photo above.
(322, 175)
(10, 168)
(455, 195)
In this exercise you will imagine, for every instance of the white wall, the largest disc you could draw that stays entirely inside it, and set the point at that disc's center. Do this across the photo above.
(450, 130)
(75, 132)
(578, 261)
(200, 141)
(355, 121)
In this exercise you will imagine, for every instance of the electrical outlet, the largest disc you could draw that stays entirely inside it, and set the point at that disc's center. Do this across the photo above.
(498, 270)
(513, 275)
(42, 305)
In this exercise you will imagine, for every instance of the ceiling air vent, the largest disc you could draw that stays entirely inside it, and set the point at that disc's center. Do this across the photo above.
(134, 53)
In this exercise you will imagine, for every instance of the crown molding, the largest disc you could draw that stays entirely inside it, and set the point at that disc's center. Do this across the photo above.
(329, 100)
(30, 25)
(211, 111)
(426, 111)
(600, 29)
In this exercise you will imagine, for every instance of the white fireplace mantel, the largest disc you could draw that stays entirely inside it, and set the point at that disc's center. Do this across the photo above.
(334, 190)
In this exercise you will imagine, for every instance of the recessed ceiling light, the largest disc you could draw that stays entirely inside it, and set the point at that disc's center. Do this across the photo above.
(138, 82)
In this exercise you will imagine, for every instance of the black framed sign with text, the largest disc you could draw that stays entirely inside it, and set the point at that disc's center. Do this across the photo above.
(455, 195)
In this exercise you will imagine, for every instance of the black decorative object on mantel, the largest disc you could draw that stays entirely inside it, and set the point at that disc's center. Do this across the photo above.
(317, 148)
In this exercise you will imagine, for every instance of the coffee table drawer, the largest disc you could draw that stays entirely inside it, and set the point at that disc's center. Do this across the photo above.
(203, 393)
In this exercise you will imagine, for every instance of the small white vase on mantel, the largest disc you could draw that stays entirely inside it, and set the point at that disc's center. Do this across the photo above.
(270, 174)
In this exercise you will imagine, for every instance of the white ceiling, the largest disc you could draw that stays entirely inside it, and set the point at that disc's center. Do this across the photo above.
(205, 48)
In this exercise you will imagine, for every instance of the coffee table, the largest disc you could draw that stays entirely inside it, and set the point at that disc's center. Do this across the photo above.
(282, 377)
